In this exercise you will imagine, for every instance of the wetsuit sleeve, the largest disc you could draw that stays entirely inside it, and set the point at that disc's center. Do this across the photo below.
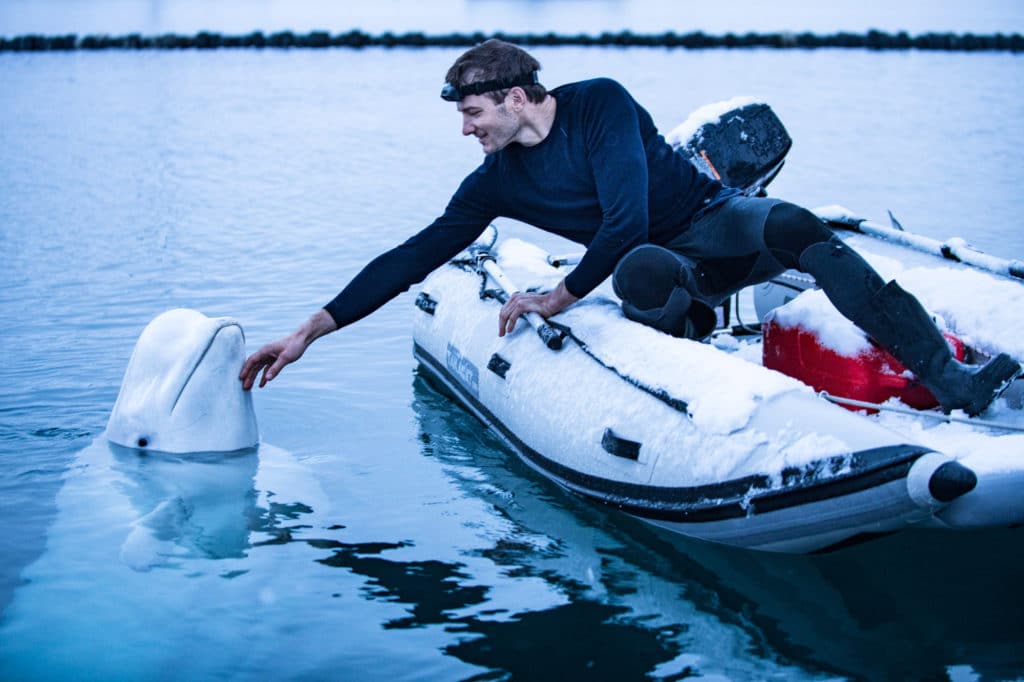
(467, 215)
(618, 161)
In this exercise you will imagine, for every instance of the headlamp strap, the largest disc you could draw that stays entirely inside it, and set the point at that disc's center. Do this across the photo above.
(455, 93)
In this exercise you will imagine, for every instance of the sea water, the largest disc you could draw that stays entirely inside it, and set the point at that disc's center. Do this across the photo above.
(379, 532)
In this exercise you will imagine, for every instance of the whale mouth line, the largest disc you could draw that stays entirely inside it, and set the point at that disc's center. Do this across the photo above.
(209, 344)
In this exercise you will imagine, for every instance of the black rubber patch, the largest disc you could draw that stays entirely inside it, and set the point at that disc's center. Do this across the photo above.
(620, 447)
(425, 303)
(498, 365)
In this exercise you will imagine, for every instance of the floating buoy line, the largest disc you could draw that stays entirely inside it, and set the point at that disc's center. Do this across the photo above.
(697, 40)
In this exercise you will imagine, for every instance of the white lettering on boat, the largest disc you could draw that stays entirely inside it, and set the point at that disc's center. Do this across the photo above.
(462, 368)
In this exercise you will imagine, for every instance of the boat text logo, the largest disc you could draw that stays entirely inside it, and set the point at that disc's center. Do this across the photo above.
(466, 371)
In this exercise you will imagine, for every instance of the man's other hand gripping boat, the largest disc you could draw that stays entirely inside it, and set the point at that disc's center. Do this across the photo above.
(803, 438)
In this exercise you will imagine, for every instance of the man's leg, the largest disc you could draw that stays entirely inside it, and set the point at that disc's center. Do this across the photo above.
(675, 287)
(887, 313)
(748, 240)
(658, 288)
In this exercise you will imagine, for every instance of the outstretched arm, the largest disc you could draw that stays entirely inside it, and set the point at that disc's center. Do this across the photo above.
(273, 357)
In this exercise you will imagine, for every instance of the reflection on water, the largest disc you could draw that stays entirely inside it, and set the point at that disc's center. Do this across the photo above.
(621, 594)
(905, 607)
(581, 640)
(140, 543)
(199, 505)
(432, 589)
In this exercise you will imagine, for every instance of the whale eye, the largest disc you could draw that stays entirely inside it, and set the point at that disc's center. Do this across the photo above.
(143, 442)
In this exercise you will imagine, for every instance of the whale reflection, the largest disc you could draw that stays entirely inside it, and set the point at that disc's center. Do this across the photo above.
(140, 553)
(200, 505)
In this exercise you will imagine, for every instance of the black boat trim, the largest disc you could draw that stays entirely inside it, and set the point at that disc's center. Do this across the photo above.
(735, 498)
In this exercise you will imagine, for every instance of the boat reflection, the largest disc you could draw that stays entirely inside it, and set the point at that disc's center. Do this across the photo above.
(914, 605)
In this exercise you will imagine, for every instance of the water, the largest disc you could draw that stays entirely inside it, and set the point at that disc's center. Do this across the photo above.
(379, 532)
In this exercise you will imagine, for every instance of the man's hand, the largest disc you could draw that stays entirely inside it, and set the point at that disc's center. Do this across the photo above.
(273, 357)
(547, 304)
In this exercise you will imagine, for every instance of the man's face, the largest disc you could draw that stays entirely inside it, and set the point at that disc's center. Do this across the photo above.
(492, 124)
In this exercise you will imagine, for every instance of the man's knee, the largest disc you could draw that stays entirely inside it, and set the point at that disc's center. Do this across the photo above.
(790, 229)
(646, 275)
(658, 288)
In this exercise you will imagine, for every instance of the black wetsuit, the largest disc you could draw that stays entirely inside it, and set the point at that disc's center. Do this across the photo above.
(603, 177)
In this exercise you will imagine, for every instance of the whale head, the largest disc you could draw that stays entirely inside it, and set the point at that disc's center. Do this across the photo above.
(181, 391)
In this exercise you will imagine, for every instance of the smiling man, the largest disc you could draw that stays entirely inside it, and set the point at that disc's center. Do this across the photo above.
(585, 161)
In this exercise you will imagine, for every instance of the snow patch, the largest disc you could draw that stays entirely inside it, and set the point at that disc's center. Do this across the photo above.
(813, 312)
(709, 113)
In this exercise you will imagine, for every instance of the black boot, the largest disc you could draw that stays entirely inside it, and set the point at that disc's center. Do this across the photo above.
(904, 328)
(898, 322)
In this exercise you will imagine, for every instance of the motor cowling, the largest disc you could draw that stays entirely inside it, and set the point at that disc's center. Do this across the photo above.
(740, 142)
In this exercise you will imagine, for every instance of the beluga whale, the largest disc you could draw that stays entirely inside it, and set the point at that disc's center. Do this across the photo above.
(181, 391)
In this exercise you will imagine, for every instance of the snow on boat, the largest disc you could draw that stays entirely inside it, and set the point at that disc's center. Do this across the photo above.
(702, 438)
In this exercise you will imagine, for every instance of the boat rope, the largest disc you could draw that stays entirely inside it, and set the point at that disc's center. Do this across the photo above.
(918, 413)
(661, 394)
(678, 404)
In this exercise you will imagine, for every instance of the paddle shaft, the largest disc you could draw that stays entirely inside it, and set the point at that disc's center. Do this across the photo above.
(551, 337)
(953, 249)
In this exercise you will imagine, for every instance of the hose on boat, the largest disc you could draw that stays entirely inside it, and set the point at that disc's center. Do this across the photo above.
(838, 400)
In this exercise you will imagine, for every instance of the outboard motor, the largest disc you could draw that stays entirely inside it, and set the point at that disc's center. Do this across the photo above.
(740, 142)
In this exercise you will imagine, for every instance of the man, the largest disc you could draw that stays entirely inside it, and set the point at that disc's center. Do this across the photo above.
(585, 161)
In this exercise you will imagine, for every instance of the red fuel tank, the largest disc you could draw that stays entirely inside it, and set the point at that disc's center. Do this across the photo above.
(872, 375)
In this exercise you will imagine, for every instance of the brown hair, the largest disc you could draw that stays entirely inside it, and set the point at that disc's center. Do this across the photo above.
(496, 60)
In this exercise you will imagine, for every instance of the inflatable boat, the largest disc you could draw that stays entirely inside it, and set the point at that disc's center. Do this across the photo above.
(789, 432)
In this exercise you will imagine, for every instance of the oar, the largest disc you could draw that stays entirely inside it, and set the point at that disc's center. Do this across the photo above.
(565, 259)
(551, 336)
(955, 249)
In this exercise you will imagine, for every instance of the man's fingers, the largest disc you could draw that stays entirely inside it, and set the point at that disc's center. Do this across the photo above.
(273, 370)
(247, 367)
(502, 319)
(509, 315)
(268, 374)
(251, 369)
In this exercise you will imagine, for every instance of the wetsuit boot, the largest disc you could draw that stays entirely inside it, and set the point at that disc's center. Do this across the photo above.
(898, 322)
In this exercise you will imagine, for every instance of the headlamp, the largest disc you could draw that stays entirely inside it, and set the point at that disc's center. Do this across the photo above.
(454, 93)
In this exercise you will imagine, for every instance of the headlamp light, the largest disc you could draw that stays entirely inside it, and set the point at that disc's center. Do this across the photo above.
(454, 93)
